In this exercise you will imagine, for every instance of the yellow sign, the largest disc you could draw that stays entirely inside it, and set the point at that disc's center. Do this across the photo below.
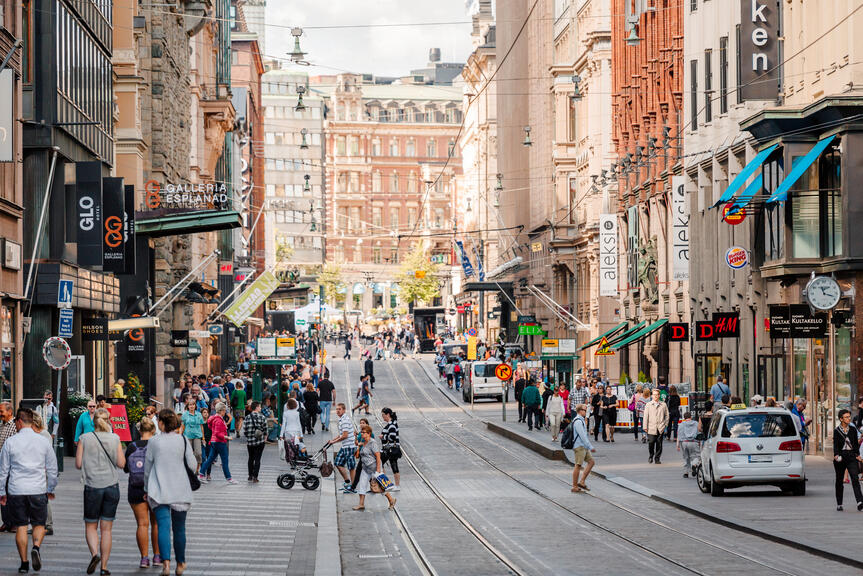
(536, 247)
(738, 406)
(603, 349)
(420, 274)
(323, 357)
(549, 343)
(471, 348)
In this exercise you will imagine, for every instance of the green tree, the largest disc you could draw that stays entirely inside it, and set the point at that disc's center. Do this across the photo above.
(330, 277)
(413, 289)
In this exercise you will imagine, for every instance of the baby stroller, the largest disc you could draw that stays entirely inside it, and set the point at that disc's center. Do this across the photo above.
(301, 468)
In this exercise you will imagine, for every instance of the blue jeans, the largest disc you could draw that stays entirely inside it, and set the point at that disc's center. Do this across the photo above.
(170, 520)
(219, 449)
(274, 433)
(325, 413)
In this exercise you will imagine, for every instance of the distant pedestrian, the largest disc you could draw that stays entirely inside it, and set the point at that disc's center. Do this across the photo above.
(151, 413)
(633, 410)
(364, 395)
(655, 421)
(311, 402)
(348, 346)
(99, 456)
(673, 402)
(47, 410)
(28, 477)
(554, 412)
(582, 449)
(579, 395)
(718, 389)
(326, 395)
(532, 402)
(798, 411)
(208, 435)
(238, 405)
(85, 421)
(609, 412)
(846, 457)
(369, 370)
(169, 494)
(255, 431)
(370, 466)
(218, 445)
(7, 429)
(687, 442)
(520, 383)
(192, 429)
(136, 455)
(391, 449)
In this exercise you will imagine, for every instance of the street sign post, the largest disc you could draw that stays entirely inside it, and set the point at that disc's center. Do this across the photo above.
(503, 372)
(603, 349)
(67, 319)
(64, 293)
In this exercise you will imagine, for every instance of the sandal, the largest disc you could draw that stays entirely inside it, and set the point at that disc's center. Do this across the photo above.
(575, 490)
(359, 508)
(583, 486)
(166, 571)
(94, 561)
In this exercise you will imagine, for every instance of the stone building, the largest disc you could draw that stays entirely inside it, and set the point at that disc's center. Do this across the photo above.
(392, 169)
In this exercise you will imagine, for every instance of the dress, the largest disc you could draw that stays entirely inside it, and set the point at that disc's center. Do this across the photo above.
(609, 409)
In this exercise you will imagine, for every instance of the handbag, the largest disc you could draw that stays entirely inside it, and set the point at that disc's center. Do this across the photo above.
(194, 481)
(375, 487)
(326, 467)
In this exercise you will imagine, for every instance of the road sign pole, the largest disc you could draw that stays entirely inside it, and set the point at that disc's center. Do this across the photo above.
(503, 402)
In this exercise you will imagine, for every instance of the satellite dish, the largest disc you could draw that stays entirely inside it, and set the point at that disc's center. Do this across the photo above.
(56, 353)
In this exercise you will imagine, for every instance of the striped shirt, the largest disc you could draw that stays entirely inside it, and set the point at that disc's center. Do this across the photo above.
(347, 425)
(390, 435)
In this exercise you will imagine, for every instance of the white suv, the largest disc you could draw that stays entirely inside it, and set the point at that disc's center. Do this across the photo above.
(752, 446)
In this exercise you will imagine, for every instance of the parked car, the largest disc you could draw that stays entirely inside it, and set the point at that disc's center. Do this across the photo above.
(752, 446)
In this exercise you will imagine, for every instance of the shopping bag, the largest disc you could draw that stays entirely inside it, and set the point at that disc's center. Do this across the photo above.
(383, 481)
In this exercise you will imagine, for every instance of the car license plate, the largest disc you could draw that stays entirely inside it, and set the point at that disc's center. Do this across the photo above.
(760, 458)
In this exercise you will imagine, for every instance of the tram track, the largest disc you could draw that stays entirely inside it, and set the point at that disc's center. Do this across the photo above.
(655, 523)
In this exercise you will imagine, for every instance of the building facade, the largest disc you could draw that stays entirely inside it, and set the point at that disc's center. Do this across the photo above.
(392, 170)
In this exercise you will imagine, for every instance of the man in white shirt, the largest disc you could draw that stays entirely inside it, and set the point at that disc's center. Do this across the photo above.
(48, 411)
(28, 477)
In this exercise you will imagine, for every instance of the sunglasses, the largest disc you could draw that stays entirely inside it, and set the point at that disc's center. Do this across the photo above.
(91, 405)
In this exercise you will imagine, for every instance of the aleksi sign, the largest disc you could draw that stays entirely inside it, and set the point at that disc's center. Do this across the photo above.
(758, 50)
(608, 255)
(680, 230)
(185, 195)
(796, 321)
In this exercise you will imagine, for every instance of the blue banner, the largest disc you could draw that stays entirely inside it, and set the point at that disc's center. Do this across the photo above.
(465, 261)
(479, 267)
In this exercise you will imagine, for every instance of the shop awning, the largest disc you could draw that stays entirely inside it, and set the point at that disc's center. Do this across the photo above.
(741, 201)
(744, 175)
(559, 357)
(626, 334)
(188, 223)
(608, 334)
(640, 335)
(800, 166)
(487, 287)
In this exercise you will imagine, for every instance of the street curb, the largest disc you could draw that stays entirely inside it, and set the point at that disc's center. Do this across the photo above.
(543, 451)
(562, 455)
(326, 562)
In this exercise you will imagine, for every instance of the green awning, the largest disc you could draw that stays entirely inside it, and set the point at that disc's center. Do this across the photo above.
(627, 333)
(559, 357)
(641, 334)
(608, 334)
(273, 362)
(188, 223)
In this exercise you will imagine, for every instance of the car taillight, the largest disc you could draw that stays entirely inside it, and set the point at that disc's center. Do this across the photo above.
(791, 446)
(725, 447)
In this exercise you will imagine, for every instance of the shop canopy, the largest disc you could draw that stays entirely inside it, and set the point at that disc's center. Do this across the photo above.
(626, 334)
(640, 335)
(800, 166)
(608, 334)
(741, 201)
(744, 175)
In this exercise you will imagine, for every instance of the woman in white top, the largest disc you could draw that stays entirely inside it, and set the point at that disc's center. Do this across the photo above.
(292, 428)
(554, 413)
(99, 457)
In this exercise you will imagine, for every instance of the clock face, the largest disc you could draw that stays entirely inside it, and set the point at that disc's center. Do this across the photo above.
(823, 292)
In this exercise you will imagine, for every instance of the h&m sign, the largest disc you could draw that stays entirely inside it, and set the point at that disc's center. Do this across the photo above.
(758, 50)
(723, 325)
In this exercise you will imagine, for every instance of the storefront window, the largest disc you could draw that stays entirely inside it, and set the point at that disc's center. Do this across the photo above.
(800, 352)
(842, 361)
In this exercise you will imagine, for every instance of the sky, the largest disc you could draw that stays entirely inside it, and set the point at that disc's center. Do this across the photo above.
(383, 51)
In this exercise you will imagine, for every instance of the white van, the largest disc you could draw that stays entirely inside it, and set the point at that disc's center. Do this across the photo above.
(482, 380)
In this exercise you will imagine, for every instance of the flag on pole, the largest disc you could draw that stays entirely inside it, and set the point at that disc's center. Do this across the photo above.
(465, 261)
(479, 267)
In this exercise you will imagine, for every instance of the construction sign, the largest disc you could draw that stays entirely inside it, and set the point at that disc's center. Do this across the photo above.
(603, 349)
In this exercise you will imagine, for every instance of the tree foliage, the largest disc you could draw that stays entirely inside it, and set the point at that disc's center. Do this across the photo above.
(413, 289)
(330, 277)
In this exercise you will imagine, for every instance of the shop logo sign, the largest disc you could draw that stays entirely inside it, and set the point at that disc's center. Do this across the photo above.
(736, 257)
(758, 54)
(678, 332)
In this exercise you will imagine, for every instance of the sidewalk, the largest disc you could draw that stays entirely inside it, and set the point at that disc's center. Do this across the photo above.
(808, 522)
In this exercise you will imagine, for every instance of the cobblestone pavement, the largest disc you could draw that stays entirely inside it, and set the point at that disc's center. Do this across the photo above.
(520, 504)
(244, 529)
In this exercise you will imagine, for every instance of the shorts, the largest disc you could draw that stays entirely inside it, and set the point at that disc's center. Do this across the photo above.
(582, 455)
(27, 509)
(239, 413)
(135, 494)
(101, 503)
(345, 458)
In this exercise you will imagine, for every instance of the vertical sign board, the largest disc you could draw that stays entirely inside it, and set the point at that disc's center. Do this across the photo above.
(758, 49)
(129, 246)
(680, 230)
(113, 227)
(7, 118)
(67, 323)
(88, 213)
(608, 255)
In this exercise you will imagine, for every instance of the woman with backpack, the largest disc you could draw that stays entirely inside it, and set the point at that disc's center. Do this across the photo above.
(136, 454)
(99, 456)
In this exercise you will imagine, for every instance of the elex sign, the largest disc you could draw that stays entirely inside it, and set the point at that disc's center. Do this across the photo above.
(723, 325)
(796, 321)
(758, 50)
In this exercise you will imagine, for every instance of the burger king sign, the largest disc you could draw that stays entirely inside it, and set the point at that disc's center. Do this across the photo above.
(736, 257)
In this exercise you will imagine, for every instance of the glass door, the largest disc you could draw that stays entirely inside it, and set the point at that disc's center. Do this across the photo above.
(771, 376)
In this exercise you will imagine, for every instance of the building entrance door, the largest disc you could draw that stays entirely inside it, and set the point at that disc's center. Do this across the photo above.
(771, 376)
(707, 368)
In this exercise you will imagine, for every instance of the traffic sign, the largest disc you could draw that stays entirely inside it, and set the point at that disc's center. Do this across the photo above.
(471, 332)
(603, 349)
(300, 322)
(526, 319)
(64, 293)
(503, 372)
(216, 329)
(67, 319)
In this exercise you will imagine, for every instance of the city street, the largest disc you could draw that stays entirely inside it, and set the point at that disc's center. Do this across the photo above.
(471, 502)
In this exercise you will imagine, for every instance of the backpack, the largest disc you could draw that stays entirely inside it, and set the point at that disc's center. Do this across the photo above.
(456, 369)
(136, 466)
(568, 439)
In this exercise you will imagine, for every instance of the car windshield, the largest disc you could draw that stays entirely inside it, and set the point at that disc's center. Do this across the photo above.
(758, 425)
(484, 370)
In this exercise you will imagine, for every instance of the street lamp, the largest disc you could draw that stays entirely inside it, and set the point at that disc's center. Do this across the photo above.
(576, 89)
(306, 186)
(304, 145)
(527, 141)
(297, 54)
(633, 39)
(300, 91)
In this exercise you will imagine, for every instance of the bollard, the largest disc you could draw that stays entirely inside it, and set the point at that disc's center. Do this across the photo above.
(60, 449)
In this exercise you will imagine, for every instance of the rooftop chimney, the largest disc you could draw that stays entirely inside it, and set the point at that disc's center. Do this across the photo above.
(434, 55)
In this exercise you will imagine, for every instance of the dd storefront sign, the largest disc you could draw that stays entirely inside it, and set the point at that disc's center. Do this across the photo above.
(722, 325)
(796, 321)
